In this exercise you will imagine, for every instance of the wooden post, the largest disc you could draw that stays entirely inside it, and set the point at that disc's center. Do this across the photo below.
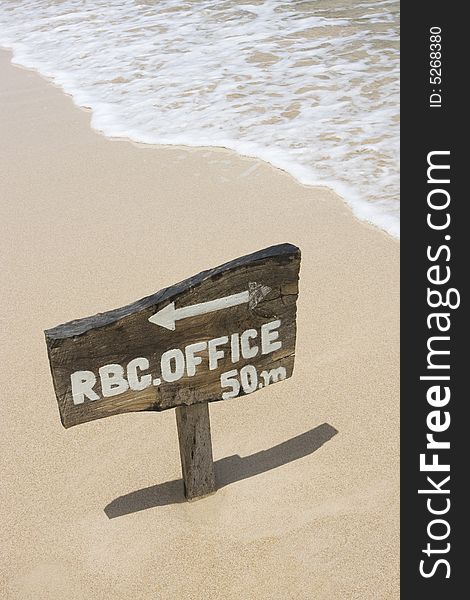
(194, 434)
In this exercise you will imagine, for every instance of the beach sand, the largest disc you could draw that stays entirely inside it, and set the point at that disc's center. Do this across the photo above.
(97, 511)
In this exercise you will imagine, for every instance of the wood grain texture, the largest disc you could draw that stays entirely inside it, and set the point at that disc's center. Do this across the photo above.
(194, 435)
(119, 336)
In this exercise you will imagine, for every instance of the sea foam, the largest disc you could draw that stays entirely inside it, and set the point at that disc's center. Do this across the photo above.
(309, 86)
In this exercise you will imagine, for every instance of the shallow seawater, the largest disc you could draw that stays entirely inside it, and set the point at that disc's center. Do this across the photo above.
(312, 87)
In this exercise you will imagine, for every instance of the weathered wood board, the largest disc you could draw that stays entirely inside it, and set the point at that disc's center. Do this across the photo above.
(223, 333)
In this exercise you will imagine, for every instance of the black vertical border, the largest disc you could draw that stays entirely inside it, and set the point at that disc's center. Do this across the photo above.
(426, 129)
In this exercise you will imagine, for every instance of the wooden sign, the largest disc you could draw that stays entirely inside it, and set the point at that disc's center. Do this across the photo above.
(224, 333)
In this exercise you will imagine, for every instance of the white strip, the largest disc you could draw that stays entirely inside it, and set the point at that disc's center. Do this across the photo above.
(167, 316)
(211, 305)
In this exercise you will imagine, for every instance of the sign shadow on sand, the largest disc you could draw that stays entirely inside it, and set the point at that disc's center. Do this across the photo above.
(228, 470)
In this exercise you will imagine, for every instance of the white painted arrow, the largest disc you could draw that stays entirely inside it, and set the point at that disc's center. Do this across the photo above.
(167, 317)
